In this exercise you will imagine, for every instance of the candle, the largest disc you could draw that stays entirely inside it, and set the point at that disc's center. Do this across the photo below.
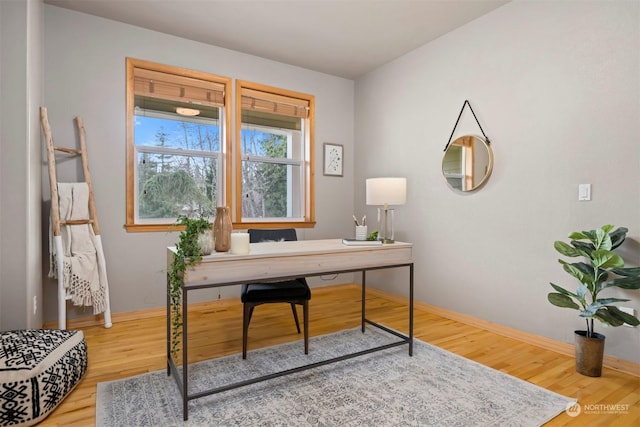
(240, 243)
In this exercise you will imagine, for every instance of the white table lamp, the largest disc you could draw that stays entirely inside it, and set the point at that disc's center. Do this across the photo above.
(384, 192)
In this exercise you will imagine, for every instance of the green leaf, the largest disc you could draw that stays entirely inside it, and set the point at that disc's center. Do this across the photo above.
(602, 258)
(561, 300)
(627, 271)
(566, 249)
(585, 268)
(618, 236)
(603, 241)
(563, 290)
(605, 316)
(585, 249)
(607, 228)
(592, 236)
(624, 283)
(624, 317)
(577, 270)
(576, 235)
(606, 301)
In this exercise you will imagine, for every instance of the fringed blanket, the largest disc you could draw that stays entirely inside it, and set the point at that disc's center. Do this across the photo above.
(84, 274)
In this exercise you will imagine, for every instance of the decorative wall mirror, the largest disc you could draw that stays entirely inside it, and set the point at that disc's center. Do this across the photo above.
(468, 161)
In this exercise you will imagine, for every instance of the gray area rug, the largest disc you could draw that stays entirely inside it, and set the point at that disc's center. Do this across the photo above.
(387, 388)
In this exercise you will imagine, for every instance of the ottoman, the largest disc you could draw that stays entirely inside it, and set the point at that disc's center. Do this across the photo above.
(38, 369)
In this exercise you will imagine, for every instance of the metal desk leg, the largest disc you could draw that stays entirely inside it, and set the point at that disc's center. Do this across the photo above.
(168, 325)
(185, 358)
(411, 309)
(363, 311)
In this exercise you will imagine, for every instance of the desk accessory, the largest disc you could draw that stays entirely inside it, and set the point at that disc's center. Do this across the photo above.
(386, 191)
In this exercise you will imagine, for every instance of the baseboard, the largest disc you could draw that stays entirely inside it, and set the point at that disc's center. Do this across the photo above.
(98, 320)
(626, 366)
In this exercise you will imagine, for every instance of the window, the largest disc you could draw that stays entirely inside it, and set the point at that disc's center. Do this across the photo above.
(274, 146)
(177, 148)
(180, 160)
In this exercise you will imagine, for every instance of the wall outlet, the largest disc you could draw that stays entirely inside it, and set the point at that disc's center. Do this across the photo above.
(35, 305)
(630, 311)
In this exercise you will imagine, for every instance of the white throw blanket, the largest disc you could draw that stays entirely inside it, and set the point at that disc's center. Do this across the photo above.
(84, 275)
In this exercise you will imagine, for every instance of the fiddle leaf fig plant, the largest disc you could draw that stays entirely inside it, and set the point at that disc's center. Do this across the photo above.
(187, 255)
(601, 269)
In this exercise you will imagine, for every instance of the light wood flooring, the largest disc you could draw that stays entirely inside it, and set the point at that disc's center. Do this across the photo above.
(137, 346)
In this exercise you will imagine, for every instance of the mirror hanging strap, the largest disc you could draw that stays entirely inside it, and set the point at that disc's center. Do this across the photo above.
(466, 102)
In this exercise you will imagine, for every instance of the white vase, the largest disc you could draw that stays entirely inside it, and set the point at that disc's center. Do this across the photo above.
(205, 242)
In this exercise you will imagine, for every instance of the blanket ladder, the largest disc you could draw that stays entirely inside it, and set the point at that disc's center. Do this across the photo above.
(56, 222)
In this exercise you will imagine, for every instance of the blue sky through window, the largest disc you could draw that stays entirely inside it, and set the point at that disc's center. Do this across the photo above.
(180, 134)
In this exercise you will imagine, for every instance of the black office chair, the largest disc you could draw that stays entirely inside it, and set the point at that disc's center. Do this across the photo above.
(294, 292)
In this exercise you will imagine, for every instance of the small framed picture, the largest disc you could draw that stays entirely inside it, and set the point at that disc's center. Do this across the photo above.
(333, 159)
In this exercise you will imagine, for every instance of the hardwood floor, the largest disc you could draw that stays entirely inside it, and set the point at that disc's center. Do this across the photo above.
(134, 347)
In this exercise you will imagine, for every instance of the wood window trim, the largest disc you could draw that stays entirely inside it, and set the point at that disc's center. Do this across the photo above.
(276, 95)
(184, 75)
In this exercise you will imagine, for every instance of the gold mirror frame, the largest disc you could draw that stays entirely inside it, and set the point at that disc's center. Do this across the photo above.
(467, 163)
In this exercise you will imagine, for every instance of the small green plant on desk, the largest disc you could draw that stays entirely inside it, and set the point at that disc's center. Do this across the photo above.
(373, 235)
(188, 254)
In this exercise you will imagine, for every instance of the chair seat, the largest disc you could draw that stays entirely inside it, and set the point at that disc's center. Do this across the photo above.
(275, 292)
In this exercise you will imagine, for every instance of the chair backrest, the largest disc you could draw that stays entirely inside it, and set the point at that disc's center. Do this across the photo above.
(257, 235)
(276, 235)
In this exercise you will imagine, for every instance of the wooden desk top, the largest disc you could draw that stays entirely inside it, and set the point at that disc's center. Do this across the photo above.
(269, 260)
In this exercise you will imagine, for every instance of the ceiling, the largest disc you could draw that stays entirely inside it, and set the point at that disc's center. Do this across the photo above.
(345, 38)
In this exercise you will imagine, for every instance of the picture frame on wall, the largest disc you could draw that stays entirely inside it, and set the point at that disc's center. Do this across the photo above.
(333, 159)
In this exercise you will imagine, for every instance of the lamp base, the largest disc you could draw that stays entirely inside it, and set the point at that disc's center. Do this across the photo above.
(385, 222)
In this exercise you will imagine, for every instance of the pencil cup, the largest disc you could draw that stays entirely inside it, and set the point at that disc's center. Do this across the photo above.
(361, 232)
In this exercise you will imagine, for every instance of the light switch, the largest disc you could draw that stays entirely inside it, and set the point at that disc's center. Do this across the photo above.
(584, 192)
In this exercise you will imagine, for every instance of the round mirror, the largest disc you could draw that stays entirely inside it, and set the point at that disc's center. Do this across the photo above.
(467, 163)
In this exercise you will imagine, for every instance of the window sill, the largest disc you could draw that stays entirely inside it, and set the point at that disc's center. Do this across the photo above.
(148, 228)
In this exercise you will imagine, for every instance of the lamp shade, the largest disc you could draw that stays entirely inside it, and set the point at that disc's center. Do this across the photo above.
(386, 191)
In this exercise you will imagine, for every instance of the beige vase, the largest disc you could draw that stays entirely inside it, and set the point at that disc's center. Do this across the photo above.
(589, 353)
(222, 228)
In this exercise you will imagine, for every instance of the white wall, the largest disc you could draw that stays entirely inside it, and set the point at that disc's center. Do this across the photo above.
(556, 87)
(85, 76)
(20, 164)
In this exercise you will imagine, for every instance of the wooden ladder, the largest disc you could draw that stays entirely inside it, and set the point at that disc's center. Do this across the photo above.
(56, 223)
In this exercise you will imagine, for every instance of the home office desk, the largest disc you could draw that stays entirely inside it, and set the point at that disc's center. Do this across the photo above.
(283, 261)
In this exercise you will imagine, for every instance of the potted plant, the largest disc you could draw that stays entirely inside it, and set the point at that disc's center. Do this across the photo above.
(601, 269)
(189, 251)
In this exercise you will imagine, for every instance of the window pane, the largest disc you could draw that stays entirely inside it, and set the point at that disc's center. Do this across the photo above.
(170, 185)
(265, 143)
(270, 190)
(163, 130)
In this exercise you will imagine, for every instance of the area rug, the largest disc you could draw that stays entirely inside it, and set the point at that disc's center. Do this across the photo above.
(386, 388)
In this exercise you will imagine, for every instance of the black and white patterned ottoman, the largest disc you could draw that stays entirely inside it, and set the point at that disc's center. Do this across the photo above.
(38, 369)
